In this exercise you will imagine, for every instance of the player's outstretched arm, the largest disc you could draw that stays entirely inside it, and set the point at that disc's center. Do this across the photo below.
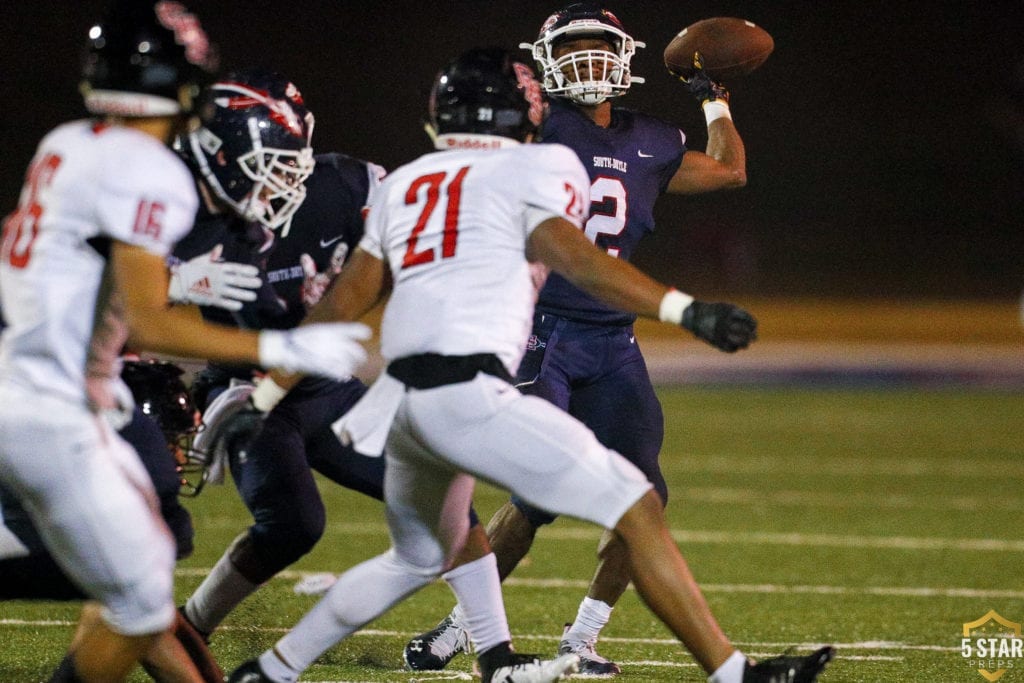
(565, 249)
(141, 279)
(562, 247)
(361, 285)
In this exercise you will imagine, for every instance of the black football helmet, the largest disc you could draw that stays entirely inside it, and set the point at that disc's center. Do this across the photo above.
(161, 394)
(586, 77)
(146, 58)
(481, 96)
(252, 146)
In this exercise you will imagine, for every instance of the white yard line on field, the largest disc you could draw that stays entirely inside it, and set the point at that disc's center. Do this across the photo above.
(572, 533)
(751, 646)
(762, 588)
(848, 500)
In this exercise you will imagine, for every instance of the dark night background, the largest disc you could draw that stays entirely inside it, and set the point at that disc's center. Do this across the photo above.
(885, 140)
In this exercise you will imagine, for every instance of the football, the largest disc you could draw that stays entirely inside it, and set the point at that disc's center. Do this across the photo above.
(731, 47)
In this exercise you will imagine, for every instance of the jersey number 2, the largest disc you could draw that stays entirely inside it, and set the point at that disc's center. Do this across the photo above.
(607, 212)
(433, 183)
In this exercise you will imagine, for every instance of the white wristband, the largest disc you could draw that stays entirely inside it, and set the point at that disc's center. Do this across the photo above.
(267, 394)
(717, 109)
(273, 348)
(672, 306)
(175, 287)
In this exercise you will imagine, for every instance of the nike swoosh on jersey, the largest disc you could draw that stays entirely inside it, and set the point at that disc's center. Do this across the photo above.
(326, 243)
(642, 155)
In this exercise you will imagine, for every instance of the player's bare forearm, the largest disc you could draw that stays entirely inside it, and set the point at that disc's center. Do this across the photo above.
(726, 147)
(158, 327)
(564, 249)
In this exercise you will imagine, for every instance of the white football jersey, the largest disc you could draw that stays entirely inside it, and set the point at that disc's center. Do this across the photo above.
(87, 181)
(453, 227)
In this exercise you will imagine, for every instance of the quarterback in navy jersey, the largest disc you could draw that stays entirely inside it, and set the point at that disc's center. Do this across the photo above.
(582, 354)
(630, 163)
(297, 249)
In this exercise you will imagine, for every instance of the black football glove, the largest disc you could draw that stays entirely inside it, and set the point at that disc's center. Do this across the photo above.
(240, 431)
(700, 84)
(726, 327)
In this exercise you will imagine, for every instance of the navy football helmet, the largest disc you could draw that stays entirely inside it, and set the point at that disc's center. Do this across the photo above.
(161, 394)
(482, 96)
(146, 59)
(586, 77)
(252, 146)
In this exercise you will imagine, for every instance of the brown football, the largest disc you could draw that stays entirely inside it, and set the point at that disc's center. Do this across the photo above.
(731, 47)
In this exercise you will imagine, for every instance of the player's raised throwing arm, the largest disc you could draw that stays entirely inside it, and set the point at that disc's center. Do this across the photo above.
(724, 164)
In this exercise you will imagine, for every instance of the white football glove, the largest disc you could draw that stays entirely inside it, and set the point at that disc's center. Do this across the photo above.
(208, 281)
(327, 349)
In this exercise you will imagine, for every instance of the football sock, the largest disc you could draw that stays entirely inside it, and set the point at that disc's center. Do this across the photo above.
(478, 590)
(219, 593)
(590, 619)
(731, 670)
(360, 595)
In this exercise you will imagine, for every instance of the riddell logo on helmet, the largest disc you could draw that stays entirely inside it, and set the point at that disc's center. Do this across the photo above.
(118, 105)
(469, 142)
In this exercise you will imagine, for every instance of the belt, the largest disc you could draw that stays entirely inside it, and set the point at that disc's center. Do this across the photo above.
(431, 370)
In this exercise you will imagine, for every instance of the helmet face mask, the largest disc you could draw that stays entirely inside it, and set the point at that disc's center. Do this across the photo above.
(160, 393)
(192, 464)
(253, 146)
(595, 72)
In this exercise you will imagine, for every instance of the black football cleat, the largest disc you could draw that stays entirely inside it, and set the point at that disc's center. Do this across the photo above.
(248, 672)
(517, 668)
(789, 668)
(431, 651)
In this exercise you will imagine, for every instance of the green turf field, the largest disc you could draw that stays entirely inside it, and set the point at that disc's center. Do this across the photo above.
(880, 521)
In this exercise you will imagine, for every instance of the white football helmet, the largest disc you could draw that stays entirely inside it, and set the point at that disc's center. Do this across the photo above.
(586, 77)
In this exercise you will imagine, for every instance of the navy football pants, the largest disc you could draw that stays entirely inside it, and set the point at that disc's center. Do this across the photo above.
(597, 374)
(276, 478)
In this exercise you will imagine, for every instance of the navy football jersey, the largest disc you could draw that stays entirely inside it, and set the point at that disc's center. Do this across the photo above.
(329, 222)
(630, 164)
